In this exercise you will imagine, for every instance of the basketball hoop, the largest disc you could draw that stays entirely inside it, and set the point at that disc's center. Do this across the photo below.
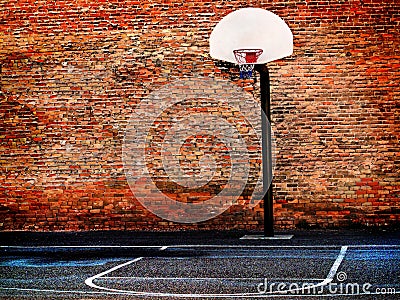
(247, 58)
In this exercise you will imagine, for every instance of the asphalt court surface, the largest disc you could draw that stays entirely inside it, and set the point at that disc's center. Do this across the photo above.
(317, 264)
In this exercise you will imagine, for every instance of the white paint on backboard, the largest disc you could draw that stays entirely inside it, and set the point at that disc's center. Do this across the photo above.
(251, 28)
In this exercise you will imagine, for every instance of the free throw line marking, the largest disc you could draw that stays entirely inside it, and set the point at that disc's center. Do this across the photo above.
(209, 278)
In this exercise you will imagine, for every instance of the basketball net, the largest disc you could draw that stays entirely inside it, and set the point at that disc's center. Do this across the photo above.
(247, 58)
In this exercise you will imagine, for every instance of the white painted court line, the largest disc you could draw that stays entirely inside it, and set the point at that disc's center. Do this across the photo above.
(81, 247)
(60, 291)
(284, 246)
(208, 278)
(337, 263)
(201, 246)
(325, 282)
(50, 291)
(90, 283)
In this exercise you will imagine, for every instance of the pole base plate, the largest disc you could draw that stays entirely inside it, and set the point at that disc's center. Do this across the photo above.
(262, 237)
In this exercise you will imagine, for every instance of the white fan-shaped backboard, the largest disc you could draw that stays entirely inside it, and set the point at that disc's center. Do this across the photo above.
(251, 28)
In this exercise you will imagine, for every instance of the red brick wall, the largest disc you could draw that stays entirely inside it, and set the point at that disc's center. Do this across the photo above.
(73, 71)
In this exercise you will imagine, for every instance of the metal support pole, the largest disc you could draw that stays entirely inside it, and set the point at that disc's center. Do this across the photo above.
(266, 150)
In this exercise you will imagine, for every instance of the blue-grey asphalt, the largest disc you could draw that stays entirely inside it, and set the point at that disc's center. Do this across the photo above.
(199, 265)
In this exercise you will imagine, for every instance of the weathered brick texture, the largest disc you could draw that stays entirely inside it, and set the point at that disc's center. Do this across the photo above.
(73, 71)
